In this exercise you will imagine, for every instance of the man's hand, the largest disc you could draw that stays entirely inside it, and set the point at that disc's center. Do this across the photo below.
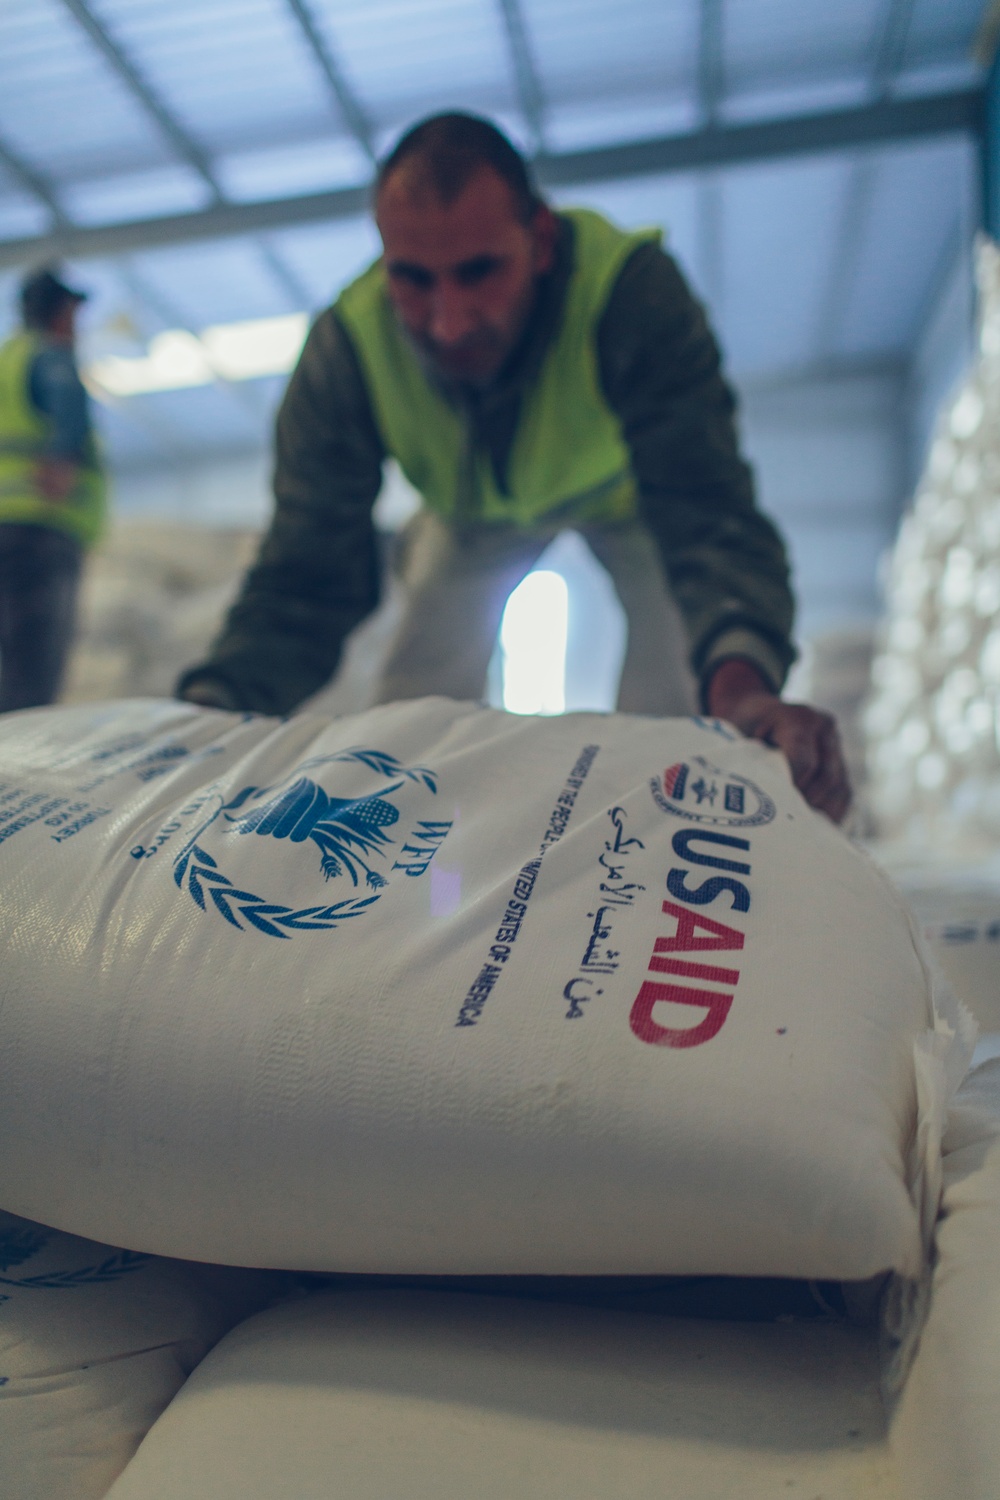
(807, 738)
(55, 478)
(209, 694)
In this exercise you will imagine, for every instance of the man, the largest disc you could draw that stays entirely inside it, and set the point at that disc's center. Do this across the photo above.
(529, 371)
(52, 492)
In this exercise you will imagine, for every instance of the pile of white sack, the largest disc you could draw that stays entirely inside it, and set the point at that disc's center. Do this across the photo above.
(933, 722)
(154, 595)
(440, 990)
(437, 988)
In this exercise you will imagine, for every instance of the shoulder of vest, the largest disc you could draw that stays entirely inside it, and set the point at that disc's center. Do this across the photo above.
(362, 294)
(600, 250)
(600, 236)
(23, 344)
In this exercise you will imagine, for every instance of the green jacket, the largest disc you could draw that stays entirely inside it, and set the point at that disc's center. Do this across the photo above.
(568, 459)
(658, 367)
(24, 437)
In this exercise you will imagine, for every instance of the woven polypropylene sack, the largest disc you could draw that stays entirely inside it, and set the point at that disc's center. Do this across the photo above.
(94, 1342)
(438, 988)
(437, 1396)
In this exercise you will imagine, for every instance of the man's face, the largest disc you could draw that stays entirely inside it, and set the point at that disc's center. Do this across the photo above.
(461, 276)
(61, 327)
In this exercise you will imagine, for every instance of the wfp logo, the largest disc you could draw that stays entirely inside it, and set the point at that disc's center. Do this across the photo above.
(344, 832)
(350, 834)
(697, 790)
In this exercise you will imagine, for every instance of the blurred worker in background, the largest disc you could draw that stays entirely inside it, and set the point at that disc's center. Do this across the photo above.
(530, 371)
(52, 492)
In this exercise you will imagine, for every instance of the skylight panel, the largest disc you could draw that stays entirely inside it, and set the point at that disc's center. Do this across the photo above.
(136, 195)
(302, 167)
(443, 54)
(179, 360)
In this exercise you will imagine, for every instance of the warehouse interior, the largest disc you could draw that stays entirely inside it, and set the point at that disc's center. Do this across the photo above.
(817, 175)
(346, 1152)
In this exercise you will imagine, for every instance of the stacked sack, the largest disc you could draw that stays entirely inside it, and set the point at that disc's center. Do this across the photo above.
(933, 719)
(94, 1342)
(440, 989)
(933, 722)
(154, 595)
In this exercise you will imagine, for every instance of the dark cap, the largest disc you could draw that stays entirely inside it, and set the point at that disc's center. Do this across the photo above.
(43, 294)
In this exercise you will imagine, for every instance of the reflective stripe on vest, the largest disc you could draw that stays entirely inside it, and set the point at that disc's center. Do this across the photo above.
(568, 457)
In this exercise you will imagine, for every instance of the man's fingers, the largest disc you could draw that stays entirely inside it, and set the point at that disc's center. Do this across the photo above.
(809, 740)
(796, 732)
(811, 744)
(828, 788)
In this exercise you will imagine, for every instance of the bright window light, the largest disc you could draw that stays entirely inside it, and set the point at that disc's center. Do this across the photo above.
(177, 359)
(533, 636)
(265, 346)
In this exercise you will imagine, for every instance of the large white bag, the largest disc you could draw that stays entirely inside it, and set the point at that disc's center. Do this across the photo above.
(427, 1396)
(946, 1429)
(94, 1342)
(438, 988)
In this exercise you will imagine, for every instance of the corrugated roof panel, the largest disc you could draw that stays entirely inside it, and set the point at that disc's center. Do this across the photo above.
(941, 33)
(574, 126)
(406, 60)
(231, 71)
(304, 167)
(779, 44)
(61, 106)
(937, 77)
(136, 195)
(640, 54)
(774, 102)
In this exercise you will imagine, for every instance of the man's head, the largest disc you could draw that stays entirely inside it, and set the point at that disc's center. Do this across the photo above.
(49, 305)
(465, 239)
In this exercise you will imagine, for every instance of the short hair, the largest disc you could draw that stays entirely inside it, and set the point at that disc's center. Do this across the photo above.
(448, 150)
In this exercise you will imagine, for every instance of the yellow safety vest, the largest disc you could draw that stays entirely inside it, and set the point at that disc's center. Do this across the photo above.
(568, 458)
(23, 435)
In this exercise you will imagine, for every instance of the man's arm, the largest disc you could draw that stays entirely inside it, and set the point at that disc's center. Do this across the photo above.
(316, 574)
(57, 391)
(660, 370)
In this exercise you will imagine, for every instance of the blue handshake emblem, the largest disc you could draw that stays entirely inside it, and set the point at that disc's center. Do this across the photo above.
(349, 832)
(343, 831)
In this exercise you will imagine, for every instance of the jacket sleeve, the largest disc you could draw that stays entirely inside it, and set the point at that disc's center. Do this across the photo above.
(56, 390)
(660, 370)
(316, 574)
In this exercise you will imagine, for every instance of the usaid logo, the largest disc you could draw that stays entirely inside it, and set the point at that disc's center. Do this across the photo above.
(697, 790)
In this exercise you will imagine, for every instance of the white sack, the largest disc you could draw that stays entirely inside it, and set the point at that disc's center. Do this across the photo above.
(443, 1397)
(94, 1342)
(946, 1431)
(442, 989)
(954, 895)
